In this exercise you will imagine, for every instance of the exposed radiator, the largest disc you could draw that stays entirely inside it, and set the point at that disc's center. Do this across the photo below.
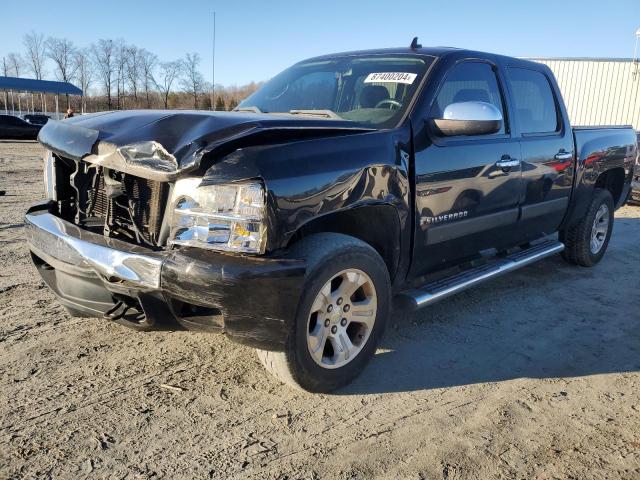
(125, 206)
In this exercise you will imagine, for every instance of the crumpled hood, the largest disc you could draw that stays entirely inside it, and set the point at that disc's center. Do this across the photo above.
(187, 135)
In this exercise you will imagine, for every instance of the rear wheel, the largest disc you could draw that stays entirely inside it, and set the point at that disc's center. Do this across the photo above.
(341, 314)
(587, 242)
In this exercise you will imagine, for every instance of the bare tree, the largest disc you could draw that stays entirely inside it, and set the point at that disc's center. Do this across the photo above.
(169, 71)
(84, 73)
(148, 62)
(134, 71)
(104, 61)
(192, 81)
(36, 53)
(15, 64)
(13, 67)
(36, 58)
(62, 52)
(121, 67)
(5, 72)
(120, 73)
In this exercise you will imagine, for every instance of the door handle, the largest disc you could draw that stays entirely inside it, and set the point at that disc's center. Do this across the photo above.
(563, 155)
(507, 162)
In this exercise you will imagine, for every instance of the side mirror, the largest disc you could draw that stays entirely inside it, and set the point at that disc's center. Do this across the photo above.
(469, 118)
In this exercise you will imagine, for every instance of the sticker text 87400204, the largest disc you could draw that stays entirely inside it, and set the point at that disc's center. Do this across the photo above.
(391, 77)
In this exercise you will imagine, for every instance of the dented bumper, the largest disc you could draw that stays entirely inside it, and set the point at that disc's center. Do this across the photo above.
(252, 299)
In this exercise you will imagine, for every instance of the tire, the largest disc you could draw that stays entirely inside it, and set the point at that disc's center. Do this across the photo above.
(578, 239)
(333, 259)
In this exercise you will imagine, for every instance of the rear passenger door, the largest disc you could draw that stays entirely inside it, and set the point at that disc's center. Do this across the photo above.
(547, 150)
(465, 200)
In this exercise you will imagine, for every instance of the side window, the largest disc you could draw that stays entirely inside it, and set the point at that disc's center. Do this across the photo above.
(534, 101)
(469, 82)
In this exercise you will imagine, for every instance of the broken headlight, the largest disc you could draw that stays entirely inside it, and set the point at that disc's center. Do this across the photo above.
(229, 217)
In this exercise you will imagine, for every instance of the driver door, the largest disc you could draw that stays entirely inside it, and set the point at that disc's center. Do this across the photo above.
(466, 200)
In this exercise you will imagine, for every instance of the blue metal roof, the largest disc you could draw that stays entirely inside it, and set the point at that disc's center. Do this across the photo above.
(33, 85)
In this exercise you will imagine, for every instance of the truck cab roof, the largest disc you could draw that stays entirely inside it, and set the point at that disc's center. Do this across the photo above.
(436, 52)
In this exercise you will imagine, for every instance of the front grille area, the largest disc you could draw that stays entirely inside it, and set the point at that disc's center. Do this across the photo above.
(113, 203)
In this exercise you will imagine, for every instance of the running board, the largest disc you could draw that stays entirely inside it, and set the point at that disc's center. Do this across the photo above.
(435, 291)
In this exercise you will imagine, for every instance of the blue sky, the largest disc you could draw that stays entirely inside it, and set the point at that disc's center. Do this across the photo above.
(257, 39)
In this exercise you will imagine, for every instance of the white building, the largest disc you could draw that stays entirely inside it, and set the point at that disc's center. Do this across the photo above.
(598, 91)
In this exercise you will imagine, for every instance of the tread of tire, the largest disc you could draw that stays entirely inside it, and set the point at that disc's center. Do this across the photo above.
(276, 364)
(577, 238)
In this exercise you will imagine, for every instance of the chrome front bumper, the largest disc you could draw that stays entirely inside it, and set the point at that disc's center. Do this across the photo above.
(252, 299)
(68, 247)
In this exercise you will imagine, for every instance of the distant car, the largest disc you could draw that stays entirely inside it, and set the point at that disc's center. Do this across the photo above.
(14, 128)
(36, 119)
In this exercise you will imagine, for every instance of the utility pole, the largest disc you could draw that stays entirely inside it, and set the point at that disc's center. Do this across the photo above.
(213, 64)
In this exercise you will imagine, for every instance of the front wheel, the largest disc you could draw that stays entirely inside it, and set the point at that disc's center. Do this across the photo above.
(587, 242)
(341, 314)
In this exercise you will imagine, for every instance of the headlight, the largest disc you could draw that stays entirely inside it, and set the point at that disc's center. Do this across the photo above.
(50, 176)
(229, 217)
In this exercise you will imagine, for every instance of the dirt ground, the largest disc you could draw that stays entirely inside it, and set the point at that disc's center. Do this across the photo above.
(535, 375)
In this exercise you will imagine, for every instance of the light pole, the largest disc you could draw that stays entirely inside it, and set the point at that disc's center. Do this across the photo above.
(213, 64)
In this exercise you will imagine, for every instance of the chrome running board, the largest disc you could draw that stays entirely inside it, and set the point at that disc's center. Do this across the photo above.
(432, 292)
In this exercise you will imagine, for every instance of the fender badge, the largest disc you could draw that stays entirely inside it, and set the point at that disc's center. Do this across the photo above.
(444, 218)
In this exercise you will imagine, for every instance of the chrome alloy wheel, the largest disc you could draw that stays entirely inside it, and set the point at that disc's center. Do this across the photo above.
(341, 318)
(599, 229)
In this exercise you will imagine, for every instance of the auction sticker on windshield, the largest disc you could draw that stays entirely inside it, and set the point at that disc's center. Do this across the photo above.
(394, 77)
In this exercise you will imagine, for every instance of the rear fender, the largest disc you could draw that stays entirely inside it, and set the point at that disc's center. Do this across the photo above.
(599, 150)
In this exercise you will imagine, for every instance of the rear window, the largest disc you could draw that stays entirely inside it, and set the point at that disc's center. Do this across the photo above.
(534, 101)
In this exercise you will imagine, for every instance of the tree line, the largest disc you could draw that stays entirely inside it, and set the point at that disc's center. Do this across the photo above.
(116, 75)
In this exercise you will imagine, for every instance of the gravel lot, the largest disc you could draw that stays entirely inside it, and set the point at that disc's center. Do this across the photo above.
(535, 375)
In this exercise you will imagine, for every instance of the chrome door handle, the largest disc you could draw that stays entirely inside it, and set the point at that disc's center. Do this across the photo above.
(562, 155)
(508, 163)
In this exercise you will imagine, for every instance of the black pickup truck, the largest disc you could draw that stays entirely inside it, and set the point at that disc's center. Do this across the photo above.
(345, 182)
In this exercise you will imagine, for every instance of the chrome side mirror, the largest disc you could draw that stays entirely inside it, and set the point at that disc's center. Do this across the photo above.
(469, 118)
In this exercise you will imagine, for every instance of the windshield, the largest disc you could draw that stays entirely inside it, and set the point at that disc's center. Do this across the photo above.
(373, 90)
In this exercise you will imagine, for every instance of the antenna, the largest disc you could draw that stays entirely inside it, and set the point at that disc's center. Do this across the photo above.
(414, 44)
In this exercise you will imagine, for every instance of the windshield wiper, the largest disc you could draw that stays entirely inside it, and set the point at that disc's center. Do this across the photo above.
(319, 113)
(252, 108)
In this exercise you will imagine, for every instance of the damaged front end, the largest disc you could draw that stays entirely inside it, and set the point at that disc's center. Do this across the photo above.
(105, 241)
(132, 232)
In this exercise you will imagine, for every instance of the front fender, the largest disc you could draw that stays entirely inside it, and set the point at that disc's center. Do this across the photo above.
(310, 179)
